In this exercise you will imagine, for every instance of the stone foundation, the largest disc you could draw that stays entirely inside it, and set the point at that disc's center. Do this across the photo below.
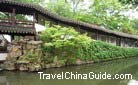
(27, 55)
(17, 52)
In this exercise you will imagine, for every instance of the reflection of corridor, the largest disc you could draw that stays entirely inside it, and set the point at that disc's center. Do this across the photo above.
(3, 80)
(133, 82)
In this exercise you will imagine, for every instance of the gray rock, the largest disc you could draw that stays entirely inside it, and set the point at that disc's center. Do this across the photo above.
(79, 62)
(35, 42)
(23, 68)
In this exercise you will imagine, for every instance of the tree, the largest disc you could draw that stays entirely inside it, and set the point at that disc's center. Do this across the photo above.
(106, 13)
(133, 2)
(69, 5)
(60, 7)
(30, 1)
(74, 4)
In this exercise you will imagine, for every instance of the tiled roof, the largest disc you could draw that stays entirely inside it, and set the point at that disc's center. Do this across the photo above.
(16, 30)
(83, 25)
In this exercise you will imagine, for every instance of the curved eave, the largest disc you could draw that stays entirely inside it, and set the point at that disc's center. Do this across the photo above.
(17, 30)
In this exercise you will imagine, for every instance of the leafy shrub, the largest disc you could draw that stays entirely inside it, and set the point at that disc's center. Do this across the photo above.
(64, 43)
(104, 51)
(68, 45)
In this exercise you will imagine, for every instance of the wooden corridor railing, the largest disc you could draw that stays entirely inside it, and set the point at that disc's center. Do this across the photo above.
(17, 23)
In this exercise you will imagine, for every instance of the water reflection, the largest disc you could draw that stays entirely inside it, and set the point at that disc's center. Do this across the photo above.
(133, 82)
(3, 80)
(120, 66)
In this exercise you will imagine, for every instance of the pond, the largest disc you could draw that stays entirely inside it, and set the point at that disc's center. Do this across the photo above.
(123, 66)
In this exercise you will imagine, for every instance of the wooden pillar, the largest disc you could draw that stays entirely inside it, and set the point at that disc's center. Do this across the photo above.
(97, 35)
(12, 37)
(116, 40)
(50, 24)
(121, 41)
(36, 17)
(13, 17)
(13, 21)
(108, 38)
(34, 20)
(136, 44)
(57, 23)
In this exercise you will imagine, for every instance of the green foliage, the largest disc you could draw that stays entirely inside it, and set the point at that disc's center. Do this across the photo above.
(133, 2)
(63, 42)
(98, 50)
(30, 1)
(105, 13)
(60, 8)
(2, 15)
(67, 45)
(32, 55)
(61, 37)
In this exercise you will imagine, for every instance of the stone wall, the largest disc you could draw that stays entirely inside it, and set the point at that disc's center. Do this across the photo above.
(26, 55)
(17, 51)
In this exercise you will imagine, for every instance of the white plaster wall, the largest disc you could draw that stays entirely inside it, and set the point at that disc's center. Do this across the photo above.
(3, 56)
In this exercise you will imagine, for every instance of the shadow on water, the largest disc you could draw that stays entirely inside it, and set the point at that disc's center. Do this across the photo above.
(123, 66)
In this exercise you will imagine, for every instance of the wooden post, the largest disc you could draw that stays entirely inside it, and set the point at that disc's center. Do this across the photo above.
(97, 36)
(136, 44)
(13, 16)
(50, 24)
(120, 41)
(12, 37)
(108, 38)
(36, 17)
(34, 20)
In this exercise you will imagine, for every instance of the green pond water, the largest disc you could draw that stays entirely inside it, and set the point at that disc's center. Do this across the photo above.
(123, 66)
